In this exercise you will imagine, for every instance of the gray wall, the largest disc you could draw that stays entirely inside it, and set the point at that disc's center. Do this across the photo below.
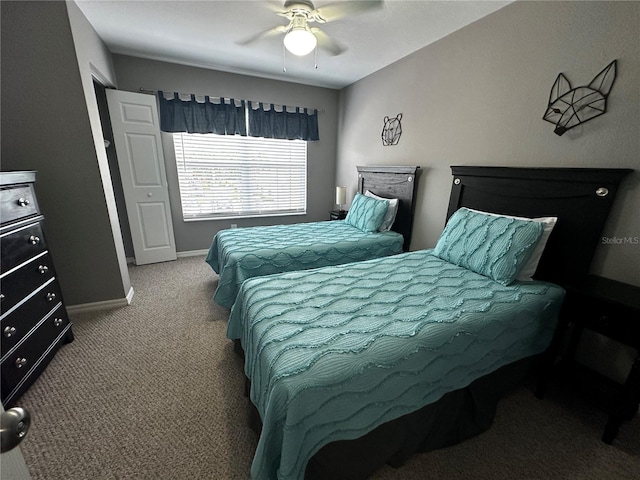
(477, 97)
(95, 63)
(134, 73)
(46, 127)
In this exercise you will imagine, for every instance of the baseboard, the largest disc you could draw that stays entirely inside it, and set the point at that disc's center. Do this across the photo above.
(193, 253)
(190, 253)
(129, 296)
(91, 307)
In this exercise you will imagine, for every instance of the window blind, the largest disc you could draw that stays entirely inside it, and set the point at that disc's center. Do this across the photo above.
(222, 176)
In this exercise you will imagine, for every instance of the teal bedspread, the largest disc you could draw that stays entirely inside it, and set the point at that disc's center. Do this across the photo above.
(241, 253)
(334, 352)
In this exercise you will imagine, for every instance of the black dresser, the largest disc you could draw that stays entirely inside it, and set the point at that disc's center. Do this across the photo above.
(33, 319)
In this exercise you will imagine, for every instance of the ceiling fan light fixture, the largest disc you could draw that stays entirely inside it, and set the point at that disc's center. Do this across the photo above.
(300, 41)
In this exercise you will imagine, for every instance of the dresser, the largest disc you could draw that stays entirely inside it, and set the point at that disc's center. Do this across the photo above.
(34, 322)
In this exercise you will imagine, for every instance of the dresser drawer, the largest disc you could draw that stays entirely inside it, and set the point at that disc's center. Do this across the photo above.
(20, 321)
(20, 245)
(17, 202)
(28, 355)
(20, 283)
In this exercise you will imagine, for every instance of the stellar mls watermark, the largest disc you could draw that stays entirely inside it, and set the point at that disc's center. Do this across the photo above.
(621, 240)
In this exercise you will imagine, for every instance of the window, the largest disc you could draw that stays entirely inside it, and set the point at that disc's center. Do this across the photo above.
(223, 176)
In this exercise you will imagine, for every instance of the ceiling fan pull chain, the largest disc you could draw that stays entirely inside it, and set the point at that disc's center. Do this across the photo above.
(315, 60)
(284, 59)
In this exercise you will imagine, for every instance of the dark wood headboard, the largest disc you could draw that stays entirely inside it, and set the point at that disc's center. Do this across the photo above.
(580, 197)
(393, 182)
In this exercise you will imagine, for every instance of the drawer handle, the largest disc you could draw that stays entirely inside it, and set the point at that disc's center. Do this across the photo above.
(51, 297)
(9, 331)
(57, 322)
(1, 296)
(43, 269)
(33, 240)
(23, 202)
(21, 362)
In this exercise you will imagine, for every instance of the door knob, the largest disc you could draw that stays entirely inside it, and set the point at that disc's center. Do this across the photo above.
(14, 425)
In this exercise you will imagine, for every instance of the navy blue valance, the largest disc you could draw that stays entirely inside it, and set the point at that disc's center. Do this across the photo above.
(282, 124)
(227, 118)
(191, 116)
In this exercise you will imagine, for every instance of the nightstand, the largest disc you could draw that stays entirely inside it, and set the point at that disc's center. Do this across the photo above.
(338, 214)
(612, 309)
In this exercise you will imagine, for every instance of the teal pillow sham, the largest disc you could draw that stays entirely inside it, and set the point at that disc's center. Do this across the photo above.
(496, 247)
(366, 213)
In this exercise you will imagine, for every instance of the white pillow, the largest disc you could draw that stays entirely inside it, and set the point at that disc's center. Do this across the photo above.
(392, 210)
(529, 269)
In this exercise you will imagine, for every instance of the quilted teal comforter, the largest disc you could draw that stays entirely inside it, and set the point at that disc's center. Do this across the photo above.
(334, 352)
(241, 253)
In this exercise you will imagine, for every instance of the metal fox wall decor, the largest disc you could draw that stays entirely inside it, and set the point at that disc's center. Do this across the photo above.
(569, 107)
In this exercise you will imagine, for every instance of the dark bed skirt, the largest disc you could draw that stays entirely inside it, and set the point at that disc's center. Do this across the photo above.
(457, 416)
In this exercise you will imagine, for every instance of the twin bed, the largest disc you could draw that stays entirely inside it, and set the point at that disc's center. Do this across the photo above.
(239, 254)
(356, 365)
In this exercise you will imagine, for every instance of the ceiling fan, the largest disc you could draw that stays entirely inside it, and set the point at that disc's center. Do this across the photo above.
(301, 39)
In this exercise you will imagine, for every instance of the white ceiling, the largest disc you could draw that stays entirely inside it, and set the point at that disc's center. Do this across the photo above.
(207, 34)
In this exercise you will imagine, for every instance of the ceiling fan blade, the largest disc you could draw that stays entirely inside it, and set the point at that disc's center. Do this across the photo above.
(266, 34)
(336, 10)
(275, 7)
(328, 43)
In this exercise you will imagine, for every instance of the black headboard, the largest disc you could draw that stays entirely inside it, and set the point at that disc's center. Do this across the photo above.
(393, 182)
(580, 197)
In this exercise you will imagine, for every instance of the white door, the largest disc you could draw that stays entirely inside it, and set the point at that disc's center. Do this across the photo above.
(136, 130)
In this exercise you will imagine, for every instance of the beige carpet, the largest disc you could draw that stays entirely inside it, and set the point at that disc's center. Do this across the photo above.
(154, 391)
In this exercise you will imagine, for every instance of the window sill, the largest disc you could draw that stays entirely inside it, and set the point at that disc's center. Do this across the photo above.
(235, 217)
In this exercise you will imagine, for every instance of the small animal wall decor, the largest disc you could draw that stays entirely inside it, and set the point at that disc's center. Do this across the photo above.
(570, 107)
(391, 130)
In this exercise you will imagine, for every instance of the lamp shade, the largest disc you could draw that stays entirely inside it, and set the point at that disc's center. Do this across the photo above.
(300, 41)
(341, 195)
